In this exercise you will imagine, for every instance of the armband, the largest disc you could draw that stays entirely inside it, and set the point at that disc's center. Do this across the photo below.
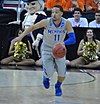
(71, 39)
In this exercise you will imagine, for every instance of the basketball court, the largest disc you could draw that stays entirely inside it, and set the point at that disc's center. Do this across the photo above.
(23, 85)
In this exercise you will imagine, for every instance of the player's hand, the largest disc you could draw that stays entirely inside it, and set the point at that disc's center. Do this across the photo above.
(61, 43)
(35, 43)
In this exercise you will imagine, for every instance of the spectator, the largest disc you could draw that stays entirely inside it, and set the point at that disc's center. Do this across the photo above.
(98, 4)
(77, 20)
(96, 23)
(34, 14)
(88, 51)
(91, 5)
(66, 4)
(19, 53)
(81, 4)
(77, 4)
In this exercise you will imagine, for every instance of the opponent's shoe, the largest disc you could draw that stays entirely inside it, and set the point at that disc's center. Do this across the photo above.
(46, 82)
(58, 90)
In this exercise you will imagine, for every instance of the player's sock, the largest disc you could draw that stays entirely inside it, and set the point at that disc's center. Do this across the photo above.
(46, 82)
(58, 90)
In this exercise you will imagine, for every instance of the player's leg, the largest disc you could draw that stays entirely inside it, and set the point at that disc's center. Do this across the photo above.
(61, 70)
(48, 69)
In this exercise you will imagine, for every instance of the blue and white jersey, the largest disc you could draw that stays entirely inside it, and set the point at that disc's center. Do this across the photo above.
(54, 34)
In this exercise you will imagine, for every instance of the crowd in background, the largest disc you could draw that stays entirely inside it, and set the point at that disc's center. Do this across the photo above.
(69, 5)
(76, 7)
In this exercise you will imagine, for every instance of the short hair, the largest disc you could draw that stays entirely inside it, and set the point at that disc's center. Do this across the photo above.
(77, 9)
(60, 7)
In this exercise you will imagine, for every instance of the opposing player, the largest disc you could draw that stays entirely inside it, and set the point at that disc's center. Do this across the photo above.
(55, 31)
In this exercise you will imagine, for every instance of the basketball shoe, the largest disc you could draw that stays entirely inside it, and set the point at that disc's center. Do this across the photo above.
(58, 90)
(46, 82)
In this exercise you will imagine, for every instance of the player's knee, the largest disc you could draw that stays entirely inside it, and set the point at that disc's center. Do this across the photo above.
(48, 72)
(62, 74)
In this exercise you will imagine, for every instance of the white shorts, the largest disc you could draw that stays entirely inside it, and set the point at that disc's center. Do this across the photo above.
(50, 64)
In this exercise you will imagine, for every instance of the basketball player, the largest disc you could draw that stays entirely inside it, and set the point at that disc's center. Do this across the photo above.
(55, 31)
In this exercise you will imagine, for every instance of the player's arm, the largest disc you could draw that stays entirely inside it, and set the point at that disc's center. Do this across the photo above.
(38, 25)
(71, 35)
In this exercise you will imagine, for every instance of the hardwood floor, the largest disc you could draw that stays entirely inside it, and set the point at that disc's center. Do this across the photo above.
(24, 86)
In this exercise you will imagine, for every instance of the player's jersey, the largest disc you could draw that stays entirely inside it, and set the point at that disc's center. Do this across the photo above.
(53, 34)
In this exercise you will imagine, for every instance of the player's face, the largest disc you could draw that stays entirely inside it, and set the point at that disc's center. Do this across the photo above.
(56, 14)
(77, 14)
(89, 33)
(33, 7)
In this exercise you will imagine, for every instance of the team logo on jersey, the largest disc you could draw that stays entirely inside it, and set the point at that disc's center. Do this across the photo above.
(56, 31)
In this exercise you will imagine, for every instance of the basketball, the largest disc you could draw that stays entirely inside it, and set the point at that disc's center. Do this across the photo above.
(59, 50)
